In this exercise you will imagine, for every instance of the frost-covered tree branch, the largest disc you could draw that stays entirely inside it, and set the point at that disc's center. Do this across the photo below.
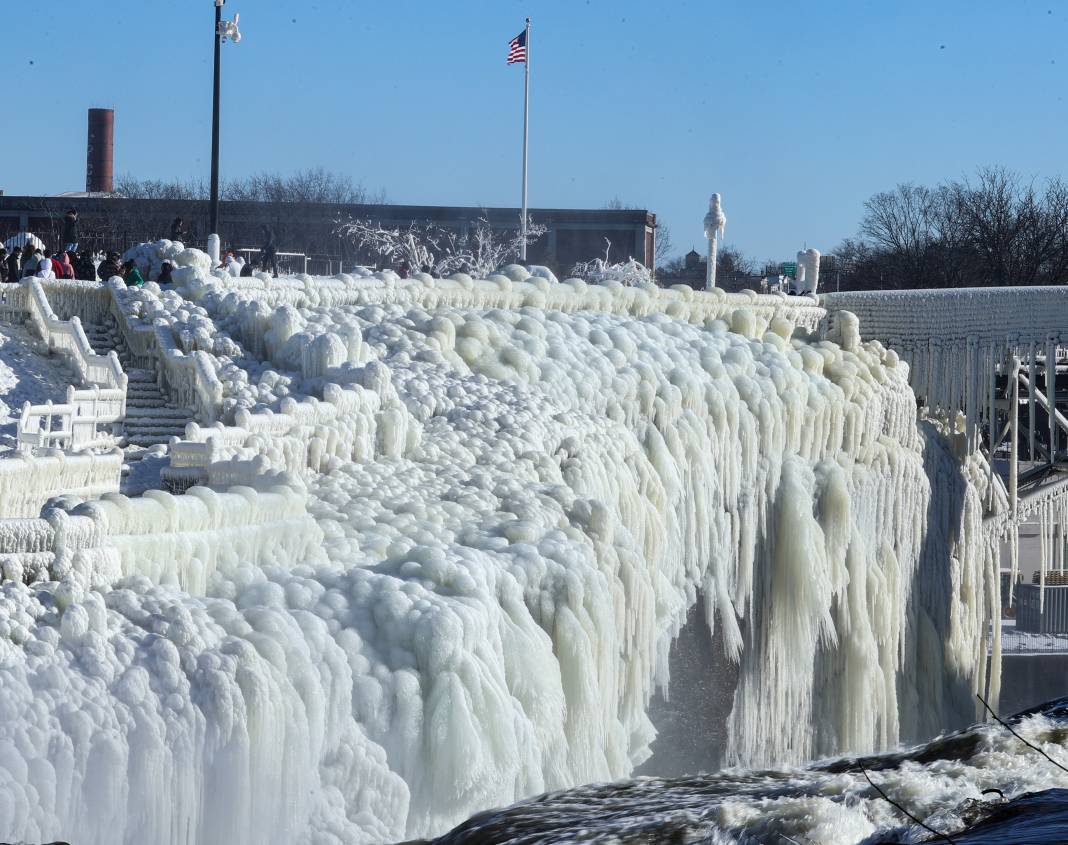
(478, 249)
(630, 273)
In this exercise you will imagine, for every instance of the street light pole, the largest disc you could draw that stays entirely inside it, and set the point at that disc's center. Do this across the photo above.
(213, 228)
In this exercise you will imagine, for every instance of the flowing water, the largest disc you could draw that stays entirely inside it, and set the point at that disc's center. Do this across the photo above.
(980, 786)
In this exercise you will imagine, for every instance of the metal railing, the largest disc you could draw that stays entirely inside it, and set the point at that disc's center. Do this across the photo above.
(1014, 641)
(290, 263)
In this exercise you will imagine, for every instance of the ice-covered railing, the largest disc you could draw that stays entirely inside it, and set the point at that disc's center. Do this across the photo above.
(956, 341)
(178, 539)
(184, 539)
(1046, 503)
(349, 424)
(12, 300)
(27, 482)
(515, 290)
(76, 424)
(90, 301)
(93, 414)
(67, 336)
(189, 379)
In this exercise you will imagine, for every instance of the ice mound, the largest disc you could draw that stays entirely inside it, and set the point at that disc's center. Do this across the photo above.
(188, 263)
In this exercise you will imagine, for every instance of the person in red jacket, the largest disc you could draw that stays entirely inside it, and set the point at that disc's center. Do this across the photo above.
(57, 265)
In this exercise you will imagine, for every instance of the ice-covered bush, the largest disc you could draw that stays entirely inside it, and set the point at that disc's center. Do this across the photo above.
(629, 273)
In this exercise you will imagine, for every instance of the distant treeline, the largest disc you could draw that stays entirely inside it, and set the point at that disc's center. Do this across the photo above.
(995, 229)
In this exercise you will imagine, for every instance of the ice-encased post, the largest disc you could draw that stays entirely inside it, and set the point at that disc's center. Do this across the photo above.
(715, 223)
(1051, 394)
(808, 270)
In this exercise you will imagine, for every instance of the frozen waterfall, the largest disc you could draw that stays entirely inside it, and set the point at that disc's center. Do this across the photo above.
(483, 611)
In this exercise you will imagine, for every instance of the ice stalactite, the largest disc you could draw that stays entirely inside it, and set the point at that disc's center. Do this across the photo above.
(953, 340)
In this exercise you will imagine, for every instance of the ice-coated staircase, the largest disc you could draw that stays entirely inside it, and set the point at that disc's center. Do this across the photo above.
(150, 418)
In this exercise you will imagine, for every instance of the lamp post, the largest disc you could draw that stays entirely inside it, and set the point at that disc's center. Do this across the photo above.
(715, 222)
(223, 30)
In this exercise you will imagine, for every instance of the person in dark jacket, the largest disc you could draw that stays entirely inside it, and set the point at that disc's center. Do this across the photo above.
(132, 276)
(3, 264)
(31, 255)
(14, 262)
(246, 269)
(70, 231)
(165, 271)
(178, 230)
(84, 266)
(269, 252)
(110, 267)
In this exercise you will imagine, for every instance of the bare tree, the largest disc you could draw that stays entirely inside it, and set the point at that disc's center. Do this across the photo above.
(732, 263)
(993, 230)
(664, 247)
(1017, 231)
(157, 189)
(314, 185)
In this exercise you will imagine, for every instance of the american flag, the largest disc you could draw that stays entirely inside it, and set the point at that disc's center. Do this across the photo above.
(517, 49)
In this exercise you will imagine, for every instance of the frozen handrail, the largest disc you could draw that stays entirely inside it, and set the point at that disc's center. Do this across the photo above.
(190, 380)
(101, 402)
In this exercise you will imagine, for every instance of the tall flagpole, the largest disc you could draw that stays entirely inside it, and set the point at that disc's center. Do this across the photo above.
(526, 122)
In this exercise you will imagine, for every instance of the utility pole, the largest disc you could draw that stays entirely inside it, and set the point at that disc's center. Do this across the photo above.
(213, 227)
(223, 30)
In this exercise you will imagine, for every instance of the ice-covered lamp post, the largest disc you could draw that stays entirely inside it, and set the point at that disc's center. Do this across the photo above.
(715, 222)
(223, 30)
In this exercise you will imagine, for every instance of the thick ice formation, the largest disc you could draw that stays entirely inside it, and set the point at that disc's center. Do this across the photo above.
(188, 263)
(559, 473)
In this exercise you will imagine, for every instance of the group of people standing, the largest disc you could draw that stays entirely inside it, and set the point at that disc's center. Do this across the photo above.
(37, 261)
(33, 258)
(40, 261)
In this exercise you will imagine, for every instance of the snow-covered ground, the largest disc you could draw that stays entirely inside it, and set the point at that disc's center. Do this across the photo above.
(1015, 641)
(26, 375)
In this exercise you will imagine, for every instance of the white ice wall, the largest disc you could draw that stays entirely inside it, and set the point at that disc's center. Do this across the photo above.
(484, 603)
(28, 482)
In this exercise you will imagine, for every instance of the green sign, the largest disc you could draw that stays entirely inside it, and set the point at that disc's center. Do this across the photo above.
(789, 268)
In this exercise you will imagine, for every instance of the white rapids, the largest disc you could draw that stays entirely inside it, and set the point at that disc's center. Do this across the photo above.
(483, 610)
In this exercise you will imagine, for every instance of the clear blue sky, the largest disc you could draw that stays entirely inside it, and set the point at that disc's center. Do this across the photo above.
(795, 112)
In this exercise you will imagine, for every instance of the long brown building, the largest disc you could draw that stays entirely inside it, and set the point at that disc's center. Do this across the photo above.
(108, 222)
